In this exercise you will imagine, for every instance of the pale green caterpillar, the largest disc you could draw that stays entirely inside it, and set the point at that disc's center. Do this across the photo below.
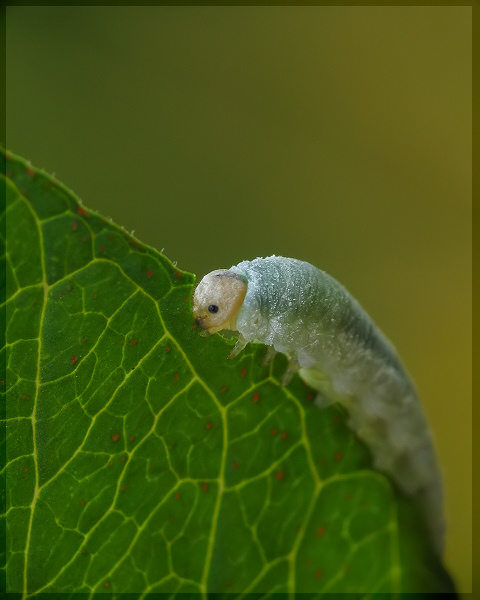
(295, 308)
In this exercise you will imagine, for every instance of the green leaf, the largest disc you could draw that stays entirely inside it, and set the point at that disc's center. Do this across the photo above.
(139, 459)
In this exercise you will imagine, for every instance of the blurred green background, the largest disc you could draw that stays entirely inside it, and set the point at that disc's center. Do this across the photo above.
(337, 135)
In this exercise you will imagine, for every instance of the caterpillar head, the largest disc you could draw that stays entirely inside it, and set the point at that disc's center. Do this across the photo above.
(217, 300)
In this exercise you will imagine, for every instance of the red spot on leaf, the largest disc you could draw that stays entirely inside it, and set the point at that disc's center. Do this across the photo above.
(339, 456)
(26, 397)
(122, 458)
(208, 425)
(194, 326)
(73, 359)
(279, 475)
(175, 376)
(74, 226)
(318, 573)
(94, 295)
(82, 502)
(223, 389)
(243, 373)
(274, 431)
(310, 397)
(83, 339)
(187, 298)
(84, 238)
(177, 274)
(30, 171)
(81, 211)
(167, 349)
(102, 248)
(25, 469)
(149, 273)
(110, 463)
(106, 584)
(2, 382)
(115, 437)
(124, 488)
(110, 236)
(205, 486)
(133, 342)
(255, 397)
(131, 438)
(235, 465)
(177, 495)
(320, 531)
(284, 434)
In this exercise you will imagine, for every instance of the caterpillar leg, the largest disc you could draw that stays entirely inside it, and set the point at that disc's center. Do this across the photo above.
(321, 382)
(293, 367)
(323, 401)
(269, 356)
(239, 346)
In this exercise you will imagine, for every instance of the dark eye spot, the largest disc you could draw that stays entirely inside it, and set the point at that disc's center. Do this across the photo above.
(212, 308)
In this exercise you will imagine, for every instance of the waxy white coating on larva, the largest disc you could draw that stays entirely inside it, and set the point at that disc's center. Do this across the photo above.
(303, 312)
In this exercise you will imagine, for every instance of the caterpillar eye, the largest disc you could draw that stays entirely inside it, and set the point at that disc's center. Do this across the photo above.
(213, 308)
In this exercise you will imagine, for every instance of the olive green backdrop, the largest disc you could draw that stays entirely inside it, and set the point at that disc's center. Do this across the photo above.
(338, 135)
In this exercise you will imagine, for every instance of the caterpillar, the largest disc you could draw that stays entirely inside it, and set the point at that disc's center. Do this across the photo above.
(303, 312)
